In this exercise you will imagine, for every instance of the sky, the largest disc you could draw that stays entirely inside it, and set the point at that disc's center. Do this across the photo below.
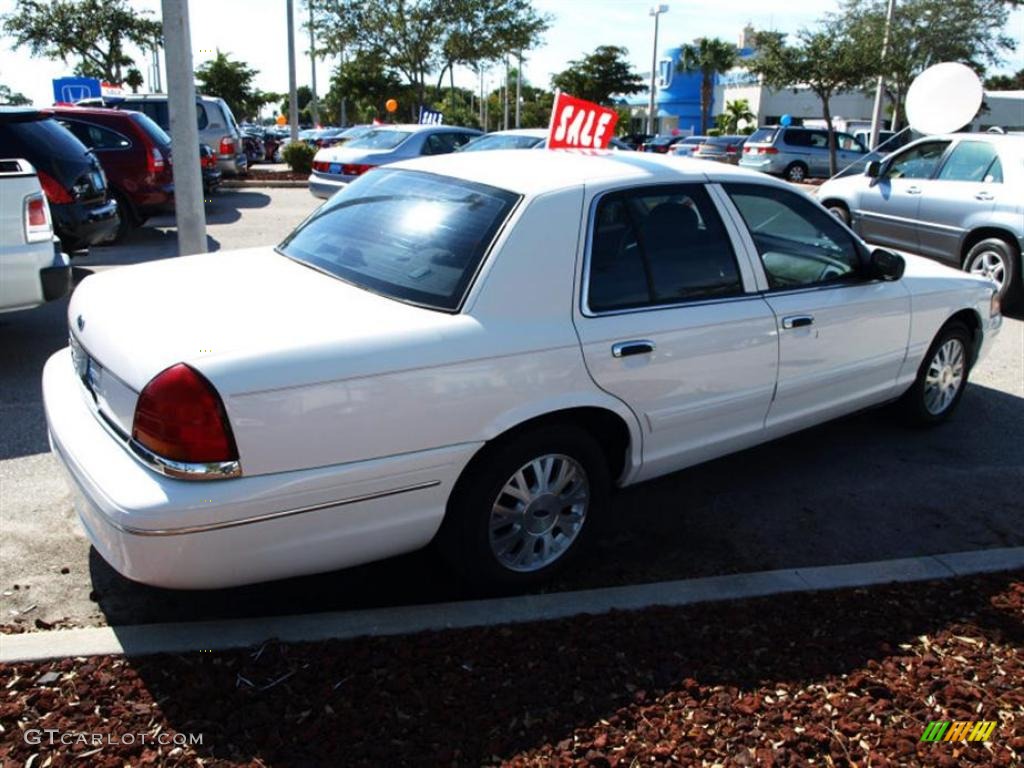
(254, 31)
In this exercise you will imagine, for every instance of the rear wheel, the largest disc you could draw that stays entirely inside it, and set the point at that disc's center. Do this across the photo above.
(795, 172)
(997, 260)
(127, 218)
(941, 379)
(525, 507)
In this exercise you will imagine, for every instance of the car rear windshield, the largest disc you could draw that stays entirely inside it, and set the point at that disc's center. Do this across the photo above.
(501, 142)
(151, 129)
(412, 236)
(385, 139)
(762, 136)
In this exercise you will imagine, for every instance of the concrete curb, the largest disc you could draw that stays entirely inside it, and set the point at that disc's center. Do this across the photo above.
(249, 183)
(147, 639)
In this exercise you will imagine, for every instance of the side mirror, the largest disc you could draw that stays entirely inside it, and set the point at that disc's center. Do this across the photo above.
(874, 169)
(886, 265)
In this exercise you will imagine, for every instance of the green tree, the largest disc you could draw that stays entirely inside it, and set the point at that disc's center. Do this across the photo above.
(97, 32)
(133, 79)
(12, 98)
(417, 38)
(1013, 82)
(366, 83)
(600, 74)
(734, 112)
(826, 60)
(708, 56)
(303, 96)
(925, 32)
(231, 81)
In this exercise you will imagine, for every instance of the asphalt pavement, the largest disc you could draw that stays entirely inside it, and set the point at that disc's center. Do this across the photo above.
(860, 489)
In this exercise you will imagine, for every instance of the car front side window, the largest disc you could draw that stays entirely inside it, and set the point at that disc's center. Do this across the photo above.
(659, 246)
(917, 162)
(800, 244)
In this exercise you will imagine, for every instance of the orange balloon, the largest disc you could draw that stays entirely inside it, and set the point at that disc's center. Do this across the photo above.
(281, 119)
(391, 105)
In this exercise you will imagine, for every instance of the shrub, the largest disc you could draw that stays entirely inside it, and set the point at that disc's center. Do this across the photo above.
(299, 156)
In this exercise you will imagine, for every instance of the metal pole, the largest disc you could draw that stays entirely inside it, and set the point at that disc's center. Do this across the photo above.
(482, 125)
(876, 115)
(504, 115)
(156, 85)
(293, 97)
(655, 12)
(181, 101)
(312, 61)
(519, 81)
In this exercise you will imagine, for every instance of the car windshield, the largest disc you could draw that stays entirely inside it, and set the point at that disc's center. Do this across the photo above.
(407, 235)
(382, 139)
(501, 142)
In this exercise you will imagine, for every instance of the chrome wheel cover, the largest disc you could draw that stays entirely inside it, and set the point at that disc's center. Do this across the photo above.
(539, 512)
(796, 173)
(990, 264)
(945, 377)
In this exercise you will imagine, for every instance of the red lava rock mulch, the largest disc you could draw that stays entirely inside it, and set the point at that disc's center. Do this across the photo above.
(260, 174)
(836, 679)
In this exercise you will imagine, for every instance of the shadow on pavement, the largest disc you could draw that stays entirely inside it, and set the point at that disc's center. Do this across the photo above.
(854, 490)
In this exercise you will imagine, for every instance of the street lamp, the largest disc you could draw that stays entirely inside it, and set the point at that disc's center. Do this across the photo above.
(655, 11)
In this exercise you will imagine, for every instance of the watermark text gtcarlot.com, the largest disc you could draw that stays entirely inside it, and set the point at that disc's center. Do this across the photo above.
(53, 737)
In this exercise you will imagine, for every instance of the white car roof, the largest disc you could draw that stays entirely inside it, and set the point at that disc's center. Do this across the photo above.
(542, 171)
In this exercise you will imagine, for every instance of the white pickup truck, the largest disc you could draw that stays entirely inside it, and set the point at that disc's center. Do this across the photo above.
(33, 270)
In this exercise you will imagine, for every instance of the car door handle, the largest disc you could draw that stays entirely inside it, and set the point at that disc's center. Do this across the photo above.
(913, 190)
(797, 321)
(629, 348)
(984, 196)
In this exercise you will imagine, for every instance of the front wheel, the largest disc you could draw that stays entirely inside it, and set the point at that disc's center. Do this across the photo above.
(941, 379)
(525, 507)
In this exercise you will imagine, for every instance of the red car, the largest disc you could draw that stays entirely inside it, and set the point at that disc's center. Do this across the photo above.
(135, 154)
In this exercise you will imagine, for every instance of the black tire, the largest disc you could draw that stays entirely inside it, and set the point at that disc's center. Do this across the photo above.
(795, 172)
(993, 250)
(914, 405)
(840, 211)
(127, 219)
(464, 540)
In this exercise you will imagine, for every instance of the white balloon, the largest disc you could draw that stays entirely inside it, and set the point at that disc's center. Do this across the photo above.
(742, 123)
(943, 98)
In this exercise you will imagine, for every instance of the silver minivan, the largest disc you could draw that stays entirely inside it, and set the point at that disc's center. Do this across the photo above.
(796, 153)
(217, 125)
(957, 198)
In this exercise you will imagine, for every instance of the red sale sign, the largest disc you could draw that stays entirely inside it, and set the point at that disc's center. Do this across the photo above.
(579, 124)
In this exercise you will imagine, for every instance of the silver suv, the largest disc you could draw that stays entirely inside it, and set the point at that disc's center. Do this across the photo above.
(957, 198)
(217, 126)
(798, 153)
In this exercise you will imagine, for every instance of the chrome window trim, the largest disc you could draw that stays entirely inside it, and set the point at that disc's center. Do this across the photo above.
(206, 527)
(584, 305)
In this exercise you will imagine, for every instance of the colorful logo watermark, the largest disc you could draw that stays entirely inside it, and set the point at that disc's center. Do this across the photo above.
(958, 730)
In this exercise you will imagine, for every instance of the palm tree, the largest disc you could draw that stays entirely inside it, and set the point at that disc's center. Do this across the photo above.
(734, 112)
(707, 56)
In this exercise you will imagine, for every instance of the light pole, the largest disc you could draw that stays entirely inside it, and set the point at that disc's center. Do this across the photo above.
(655, 11)
(293, 96)
(876, 116)
(519, 81)
(312, 61)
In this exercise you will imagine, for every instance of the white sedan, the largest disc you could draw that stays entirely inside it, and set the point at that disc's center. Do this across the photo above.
(476, 354)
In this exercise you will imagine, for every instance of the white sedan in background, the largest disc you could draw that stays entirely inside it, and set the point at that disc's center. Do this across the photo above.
(477, 353)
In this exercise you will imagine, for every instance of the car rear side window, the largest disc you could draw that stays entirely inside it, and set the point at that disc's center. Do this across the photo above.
(799, 243)
(763, 136)
(382, 139)
(154, 131)
(970, 161)
(96, 137)
(659, 246)
(411, 236)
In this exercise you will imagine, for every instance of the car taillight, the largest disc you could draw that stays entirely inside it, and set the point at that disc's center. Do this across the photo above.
(769, 151)
(320, 166)
(730, 149)
(355, 169)
(55, 192)
(154, 160)
(227, 146)
(179, 416)
(37, 219)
